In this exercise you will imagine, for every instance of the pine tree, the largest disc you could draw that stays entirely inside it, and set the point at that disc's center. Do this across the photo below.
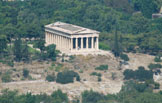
(18, 49)
(116, 44)
(25, 53)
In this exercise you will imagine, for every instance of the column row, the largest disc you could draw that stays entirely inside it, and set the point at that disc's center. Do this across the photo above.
(61, 42)
(84, 43)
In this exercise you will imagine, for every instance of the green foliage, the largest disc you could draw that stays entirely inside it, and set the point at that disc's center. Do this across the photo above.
(50, 78)
(25, 72)
(124, 57)
(116, 49)
(157, 59)
(140, 33)
(58, 67)
(51, 52)
(3, 43)
(102, 67)
(96, 74)
(141, 74)
(99, 79)
(18, 49)
(154, 66)
(92, 97)
(67, 77)
(157, 85)
(59, 97)
(13, 97)
(10, 63)
(21, 50)
(103, 46)
(6, 77)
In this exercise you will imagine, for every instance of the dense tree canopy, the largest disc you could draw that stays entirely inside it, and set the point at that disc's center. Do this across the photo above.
(27, 19)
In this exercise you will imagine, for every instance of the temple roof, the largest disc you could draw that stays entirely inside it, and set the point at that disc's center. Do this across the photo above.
(70, 29)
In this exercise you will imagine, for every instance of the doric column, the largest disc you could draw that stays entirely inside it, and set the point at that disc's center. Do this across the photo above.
(46, 38)
(92, 41)
(54, 38)
(97, 43)
(69, 47)
(81, 43)
(76, 43)
(50, 38)
(71, 42)
(59, 39)
(61, 42)
(87, 43)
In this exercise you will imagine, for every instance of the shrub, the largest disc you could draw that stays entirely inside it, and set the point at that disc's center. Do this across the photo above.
(59, 97)
(92, 97)
(50, 78)
(154, 66)
(157, 59)
(96, 74)
(67, 77)
(157, 85)
(102, 67)
(99, 79)
(77, 78)
(141, 74)
(6, 77)
(124, 57)
(140, 87)
(10, 63)
(25, 73)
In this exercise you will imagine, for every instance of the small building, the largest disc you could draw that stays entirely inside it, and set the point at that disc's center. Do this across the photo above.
(157, 15)
(70, 38)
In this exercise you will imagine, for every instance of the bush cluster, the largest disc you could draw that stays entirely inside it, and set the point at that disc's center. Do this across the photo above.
(25, 72)
(124, 57)
(141, 74)
(154, 66)
(102, 67)
(50, 78)
(157, 59)
(67, 77)
(96, 74)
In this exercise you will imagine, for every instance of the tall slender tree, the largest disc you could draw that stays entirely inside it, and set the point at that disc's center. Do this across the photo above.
(18, 49)
(116, 43)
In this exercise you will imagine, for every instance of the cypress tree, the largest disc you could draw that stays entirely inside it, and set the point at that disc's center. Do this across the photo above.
(116, 44)
(18, 49)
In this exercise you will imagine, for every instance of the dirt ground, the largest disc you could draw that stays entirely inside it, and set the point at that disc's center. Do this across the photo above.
(84, 65)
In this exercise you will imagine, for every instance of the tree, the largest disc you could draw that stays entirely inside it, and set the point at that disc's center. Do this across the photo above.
(51, 52)
(116, 44)
(18, 49)
(50, 78)
(67, 77)
(147, 7)
(25, 52)
(25, 73)
(92, 97)
(3, 43)
(59, 97)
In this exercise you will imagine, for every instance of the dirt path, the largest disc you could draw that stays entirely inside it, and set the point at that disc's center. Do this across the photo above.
(72, 89)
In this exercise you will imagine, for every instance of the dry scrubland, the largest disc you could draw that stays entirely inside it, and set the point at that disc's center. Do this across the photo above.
(84, 65)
